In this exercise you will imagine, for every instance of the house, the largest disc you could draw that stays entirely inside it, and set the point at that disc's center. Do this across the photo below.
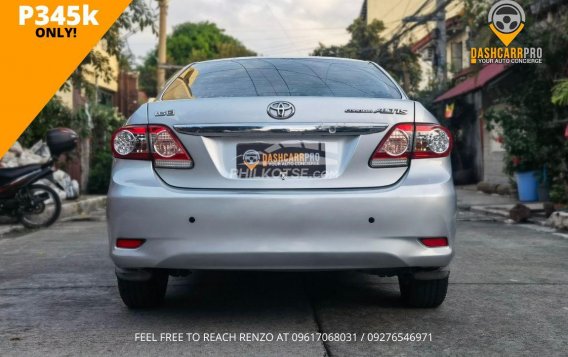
(479, 154)
(121, 91)
(105, 91)
(421, 37)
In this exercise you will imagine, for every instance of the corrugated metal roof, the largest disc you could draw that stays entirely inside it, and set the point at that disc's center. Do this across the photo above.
(487, 73)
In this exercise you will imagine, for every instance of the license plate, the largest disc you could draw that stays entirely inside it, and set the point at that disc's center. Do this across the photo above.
(281, 160)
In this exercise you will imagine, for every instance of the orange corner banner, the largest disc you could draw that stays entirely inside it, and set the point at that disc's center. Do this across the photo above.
(44, 41)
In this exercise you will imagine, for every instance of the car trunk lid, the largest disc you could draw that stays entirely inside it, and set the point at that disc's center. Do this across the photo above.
(331, 138)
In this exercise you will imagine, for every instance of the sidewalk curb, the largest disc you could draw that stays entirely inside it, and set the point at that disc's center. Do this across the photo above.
(76, 209)
(488, 210)
(505, 214)
(82, 207)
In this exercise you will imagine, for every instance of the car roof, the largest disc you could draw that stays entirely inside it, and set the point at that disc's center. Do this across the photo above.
(316, 58)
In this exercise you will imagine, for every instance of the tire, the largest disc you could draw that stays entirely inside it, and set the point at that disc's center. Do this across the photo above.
(423, 293)
(143, 294)
(50, 219)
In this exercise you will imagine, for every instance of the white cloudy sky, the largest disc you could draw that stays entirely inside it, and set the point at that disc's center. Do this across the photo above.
(268, 27)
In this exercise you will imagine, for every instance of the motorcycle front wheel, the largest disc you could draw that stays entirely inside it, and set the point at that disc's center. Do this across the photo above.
(40, 206)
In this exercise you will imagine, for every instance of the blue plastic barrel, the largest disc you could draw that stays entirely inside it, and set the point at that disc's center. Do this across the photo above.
(527, 185)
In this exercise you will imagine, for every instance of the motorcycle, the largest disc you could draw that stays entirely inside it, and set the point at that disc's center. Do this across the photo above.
(35, 205)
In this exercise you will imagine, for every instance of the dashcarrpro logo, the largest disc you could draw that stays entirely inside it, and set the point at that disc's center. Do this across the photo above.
(506, 18)
(251, 158)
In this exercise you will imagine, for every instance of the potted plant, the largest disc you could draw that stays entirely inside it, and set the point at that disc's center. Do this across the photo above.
(525, 154)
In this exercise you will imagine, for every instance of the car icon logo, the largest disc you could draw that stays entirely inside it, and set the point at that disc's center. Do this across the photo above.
(281, 110)
(251, 158)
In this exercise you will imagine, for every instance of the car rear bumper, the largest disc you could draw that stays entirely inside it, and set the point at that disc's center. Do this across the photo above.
(281, 229)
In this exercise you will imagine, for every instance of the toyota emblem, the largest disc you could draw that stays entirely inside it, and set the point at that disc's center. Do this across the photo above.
(281, 110)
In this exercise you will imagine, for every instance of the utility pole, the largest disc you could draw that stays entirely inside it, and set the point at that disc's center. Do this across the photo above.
(161, 71)
(441, 40)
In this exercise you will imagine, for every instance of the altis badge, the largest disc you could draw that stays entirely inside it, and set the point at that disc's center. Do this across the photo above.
(380, 111)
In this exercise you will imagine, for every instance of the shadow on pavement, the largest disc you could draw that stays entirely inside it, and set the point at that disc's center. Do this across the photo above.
(214, 291)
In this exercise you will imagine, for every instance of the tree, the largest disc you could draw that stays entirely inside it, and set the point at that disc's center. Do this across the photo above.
(367, 44)
(136, 17)
(86, 119)
(188, 43)
(560, 93)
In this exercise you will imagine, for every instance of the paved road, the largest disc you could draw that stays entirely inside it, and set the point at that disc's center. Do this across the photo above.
(508, 295)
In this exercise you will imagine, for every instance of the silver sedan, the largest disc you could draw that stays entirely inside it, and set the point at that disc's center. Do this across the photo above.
(282, 164)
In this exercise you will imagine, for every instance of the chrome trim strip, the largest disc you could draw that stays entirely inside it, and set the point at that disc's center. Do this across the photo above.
(350, 129)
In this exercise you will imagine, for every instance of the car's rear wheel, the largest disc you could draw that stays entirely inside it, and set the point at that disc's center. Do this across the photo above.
(422, 293)
(145, 293)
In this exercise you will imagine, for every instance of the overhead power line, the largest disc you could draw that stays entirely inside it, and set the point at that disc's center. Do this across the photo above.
(289, 30)
(422, 21)
(278, 21)
(402, 27)
(439, 15)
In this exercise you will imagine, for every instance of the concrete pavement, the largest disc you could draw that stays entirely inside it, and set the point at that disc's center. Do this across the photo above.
(469, 196)
(508, 295)
(80, 208)
(470, 199)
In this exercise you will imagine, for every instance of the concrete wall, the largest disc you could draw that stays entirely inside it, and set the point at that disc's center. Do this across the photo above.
(493, 155)
(492, 163)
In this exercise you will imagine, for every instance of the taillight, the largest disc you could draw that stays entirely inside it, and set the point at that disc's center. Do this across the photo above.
(130, 142)
(127, 243)
(150, 142)
(434, 242)
(167, 150)
(409, 141)
(393, 151)
(430, 141)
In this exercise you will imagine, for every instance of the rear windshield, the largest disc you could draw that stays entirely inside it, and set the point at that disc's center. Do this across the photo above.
(281, 77)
